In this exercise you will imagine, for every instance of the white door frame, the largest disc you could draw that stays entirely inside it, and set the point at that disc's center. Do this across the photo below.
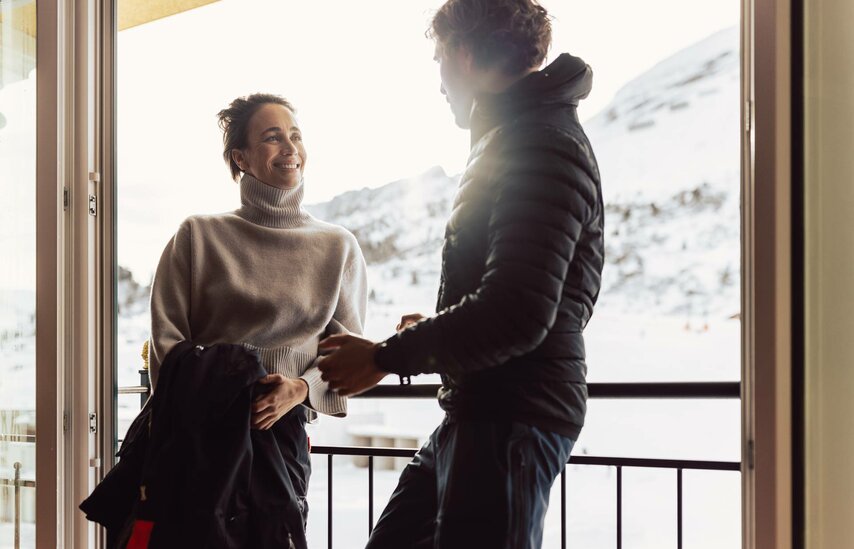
(85, 382)
(68, 460)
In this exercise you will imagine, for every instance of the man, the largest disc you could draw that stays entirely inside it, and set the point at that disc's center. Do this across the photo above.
(521, 270)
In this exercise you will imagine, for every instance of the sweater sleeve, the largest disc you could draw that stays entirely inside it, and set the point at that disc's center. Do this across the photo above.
(349, 317)
(170, 299)
(543, 198)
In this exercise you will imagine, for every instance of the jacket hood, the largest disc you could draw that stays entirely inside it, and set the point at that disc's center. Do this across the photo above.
(566, 81)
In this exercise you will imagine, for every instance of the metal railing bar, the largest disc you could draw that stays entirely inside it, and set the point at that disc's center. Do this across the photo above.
(705, 389)
(657, 463)
(17, 481)
(679, 508)
(133, 390)
(370, 495)
(692, 389)
(563, 508)
(329, 495)
(17, 438)
(574, 460)
(376, 451)
(619, 507)
(21, 483)
(656, 390)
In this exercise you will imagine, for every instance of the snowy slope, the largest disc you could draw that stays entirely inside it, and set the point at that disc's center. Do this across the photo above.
(668, 150)
(17, 243)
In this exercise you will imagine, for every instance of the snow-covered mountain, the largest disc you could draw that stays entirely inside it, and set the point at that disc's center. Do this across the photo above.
(668, 149)
(17, 349)
(405, 218)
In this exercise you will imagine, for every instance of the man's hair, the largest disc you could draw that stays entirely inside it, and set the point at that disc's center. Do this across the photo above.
(514, 35)
(234, 123)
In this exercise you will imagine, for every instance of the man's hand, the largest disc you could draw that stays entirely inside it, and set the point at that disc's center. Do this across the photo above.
(409, 320)
(284, 395)
(350, 369)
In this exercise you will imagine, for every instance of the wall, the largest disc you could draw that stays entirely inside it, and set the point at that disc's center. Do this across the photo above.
(829, 272)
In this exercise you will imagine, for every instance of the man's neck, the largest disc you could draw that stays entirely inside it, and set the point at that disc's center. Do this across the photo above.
(497, 81)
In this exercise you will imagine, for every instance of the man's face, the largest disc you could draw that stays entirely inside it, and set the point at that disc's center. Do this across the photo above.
(457, 86)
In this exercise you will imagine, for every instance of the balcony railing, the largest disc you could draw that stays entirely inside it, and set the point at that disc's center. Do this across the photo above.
(687, 390)
(616, 462)
(17, 483)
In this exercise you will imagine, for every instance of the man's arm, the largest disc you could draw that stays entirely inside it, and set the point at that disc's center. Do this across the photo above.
(544, 198)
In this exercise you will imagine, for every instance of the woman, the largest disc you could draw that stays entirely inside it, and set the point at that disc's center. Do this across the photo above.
(268, 276)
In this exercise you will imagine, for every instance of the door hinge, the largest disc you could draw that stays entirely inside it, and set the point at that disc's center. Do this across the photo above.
(751, 455)
(93, 205)
(65, 198)
(748, 116)
(93, 422)
(65, 422)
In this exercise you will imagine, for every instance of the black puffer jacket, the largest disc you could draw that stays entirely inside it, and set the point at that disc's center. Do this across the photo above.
(521, 263)
(193, 474)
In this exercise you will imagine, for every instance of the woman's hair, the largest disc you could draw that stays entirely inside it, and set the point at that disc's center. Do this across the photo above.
(234, 123)
(515, 35)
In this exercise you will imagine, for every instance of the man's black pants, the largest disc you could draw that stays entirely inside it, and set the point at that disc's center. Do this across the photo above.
(474, 484)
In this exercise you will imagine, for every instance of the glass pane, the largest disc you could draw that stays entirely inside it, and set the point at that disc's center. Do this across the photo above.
(711, 508)
(662, 429)
(667, 139)
(663, 118)
(17, 273)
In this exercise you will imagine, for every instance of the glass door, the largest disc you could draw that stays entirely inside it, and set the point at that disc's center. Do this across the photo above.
(664, 120)
(17, 273)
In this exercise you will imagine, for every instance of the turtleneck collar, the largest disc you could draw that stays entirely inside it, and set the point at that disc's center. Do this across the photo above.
(566, 81)
(270, 206)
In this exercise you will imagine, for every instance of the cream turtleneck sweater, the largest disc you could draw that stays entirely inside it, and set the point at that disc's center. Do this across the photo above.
(268, 276)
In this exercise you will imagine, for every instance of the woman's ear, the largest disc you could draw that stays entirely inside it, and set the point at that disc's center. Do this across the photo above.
(237, 156)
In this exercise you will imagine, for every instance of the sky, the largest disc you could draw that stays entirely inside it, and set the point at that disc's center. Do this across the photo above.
(362, 74)
(363, 80)
(362, 77)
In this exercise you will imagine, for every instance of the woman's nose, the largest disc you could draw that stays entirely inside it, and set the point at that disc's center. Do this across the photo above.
(288, 147)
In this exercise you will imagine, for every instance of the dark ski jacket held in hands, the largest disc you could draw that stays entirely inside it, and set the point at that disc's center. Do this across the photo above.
(521, 262)
(192, 473)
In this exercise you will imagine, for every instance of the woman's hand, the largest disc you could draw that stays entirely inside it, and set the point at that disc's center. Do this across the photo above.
(285, 393)
(408, 320)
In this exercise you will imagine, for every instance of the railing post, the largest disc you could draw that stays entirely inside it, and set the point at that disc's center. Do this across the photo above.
(329, 509)
(144, 378)
(370, 495)
(563, 508)
(619, 507)
(145, 382)
(17, 484)
(679, 508)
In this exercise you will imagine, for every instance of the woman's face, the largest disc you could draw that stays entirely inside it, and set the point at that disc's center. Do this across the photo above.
(274, 152)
